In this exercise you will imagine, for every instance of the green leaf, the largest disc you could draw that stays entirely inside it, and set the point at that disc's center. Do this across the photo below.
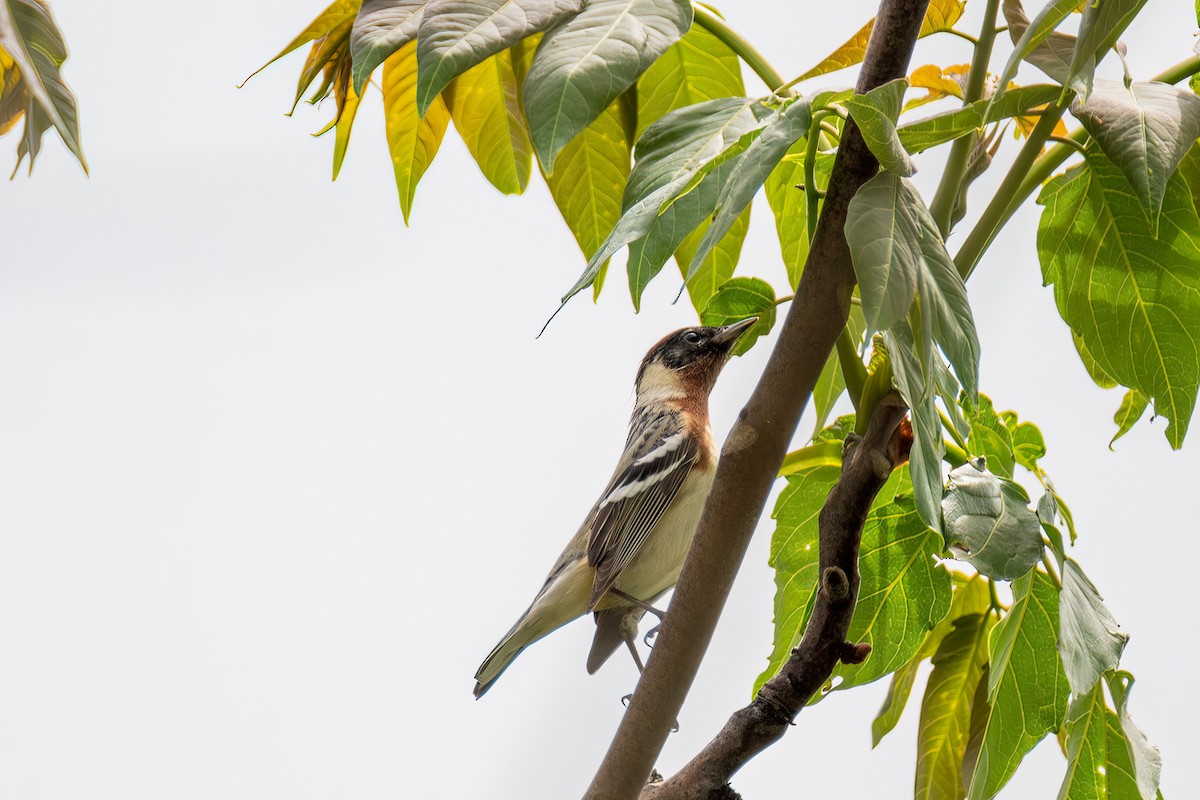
(412, 141)
(778, 134)
(486, 113)
(591, 174)
(1144, 758)
(1090, 640)
(914, 367)
(1037, 42)
(1027, 689)
(669, 154)
(1028, 443)
(940, 16)
(697, 68)
(1087, 748)
(381, 28)
(903, 593)
(969, 598)
(738, 299)
(31, 38)
(989, 523)
(1099, 28)
(587, 61)
(899, 254)
(928, 132)
(1133, 406)
(718, 266)
(876, 112)
(831, 383)
(1094, 371)
(945, 725)
(335, 15)
(455, 35)
(789, 205)
(1145, 129)
(1132, 298)
(990, 436)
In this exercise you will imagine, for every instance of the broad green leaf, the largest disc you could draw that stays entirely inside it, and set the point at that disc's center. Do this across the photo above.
(989, 436)
(697, 68)
(903, 593)
(738, 299)
(1090, 640)
(1087, 748)
(455, 35)
(1144, 758)
(717, 267)
(1027, 689)
(778, 134)
(1145, 129)
(1038, 42)
(914, 367)
(587, 61)
(831, 383)
(1133, 406)
(876, 112)
(923, 134)
(381, 28)
(789, 204)
(1132, 298)
(335, 15)
(412, 141)
(587, 186)
(486, 113)
(669, 154)
(940, 16)
(1099, 28)
(969, 598)
(989, 523)
(945, 725)
(1094, 371)
(30, 37)
(794, 557)
(1028, 443)
(899, 254)
(342, 125)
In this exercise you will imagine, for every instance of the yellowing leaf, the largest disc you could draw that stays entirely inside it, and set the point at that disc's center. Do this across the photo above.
(12, 93)
(589, 177)
(937, 82)
(412, 141)
(344, 122)
(941, 16)
(1027, 123)
(487, 114)
(337, 14)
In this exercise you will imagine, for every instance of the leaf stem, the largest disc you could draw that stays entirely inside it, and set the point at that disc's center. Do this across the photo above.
(953, 431)
(963, 35)
(1050, 570)
(1067, 140)
(1011, 192)
(853, 371)
(787, 298)
(812, 195)
(994, 597)
(712, 23)
(946, 197)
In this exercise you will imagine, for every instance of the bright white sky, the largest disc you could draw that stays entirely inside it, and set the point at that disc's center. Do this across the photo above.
(278, 471)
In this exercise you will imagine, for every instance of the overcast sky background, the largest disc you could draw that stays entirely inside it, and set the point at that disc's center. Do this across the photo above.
(278, 471)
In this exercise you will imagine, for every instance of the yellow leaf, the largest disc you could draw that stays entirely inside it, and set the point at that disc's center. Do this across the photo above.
(589, 178)
(335, 15)
(13, 99)
(938, 83)
(344, 122)
(941, 16)
(412, 141)
(1027, 123)
(487, 114)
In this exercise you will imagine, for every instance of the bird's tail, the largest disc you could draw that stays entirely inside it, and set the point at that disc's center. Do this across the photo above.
(498, 660)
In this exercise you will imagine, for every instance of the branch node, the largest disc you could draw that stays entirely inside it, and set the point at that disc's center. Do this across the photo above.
(835, 583)
(854, 653)
(881, 465)
(742, 437)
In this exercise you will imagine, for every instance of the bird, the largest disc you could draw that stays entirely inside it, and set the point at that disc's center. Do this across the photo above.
(631, 546)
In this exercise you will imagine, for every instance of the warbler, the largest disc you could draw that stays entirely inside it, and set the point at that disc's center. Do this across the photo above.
(630, 549)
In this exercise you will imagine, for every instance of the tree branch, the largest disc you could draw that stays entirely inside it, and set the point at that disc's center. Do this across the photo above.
(866, 465)
(758, 441)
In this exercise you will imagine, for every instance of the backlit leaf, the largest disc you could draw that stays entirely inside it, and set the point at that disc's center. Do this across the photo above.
(342, 126)
(412, 141)
(1132, 298)
(698, 67)
(1133, 406)
(486, 113)
(335, 15)
(718, 266)
(738, 299)
(789, 204)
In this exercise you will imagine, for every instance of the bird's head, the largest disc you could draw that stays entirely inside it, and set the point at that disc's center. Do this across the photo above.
(688, 359)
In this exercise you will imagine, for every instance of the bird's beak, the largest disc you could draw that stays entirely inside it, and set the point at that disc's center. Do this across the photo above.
(730, 333)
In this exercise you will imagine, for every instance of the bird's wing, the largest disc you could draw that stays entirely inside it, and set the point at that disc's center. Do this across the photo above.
(653, 467)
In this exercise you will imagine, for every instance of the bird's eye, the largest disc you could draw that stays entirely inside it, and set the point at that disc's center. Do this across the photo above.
(691, 337)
